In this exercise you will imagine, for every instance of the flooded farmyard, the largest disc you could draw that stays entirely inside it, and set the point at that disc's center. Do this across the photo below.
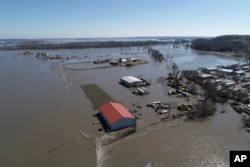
(46, 119)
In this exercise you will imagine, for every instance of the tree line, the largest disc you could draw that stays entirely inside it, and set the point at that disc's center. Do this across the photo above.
(236, 43)
(80, 45)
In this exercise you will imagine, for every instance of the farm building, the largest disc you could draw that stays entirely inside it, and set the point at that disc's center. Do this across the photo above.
(116, 117)
(239, 72)
(205, 76)
(225, 71)
(211, 70)
(229, 84)
(131, 81)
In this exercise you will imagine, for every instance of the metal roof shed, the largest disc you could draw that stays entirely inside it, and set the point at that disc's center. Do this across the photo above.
(240, 72)
(131, 81)
(205, 76)
(212, 69)
(116, 116)
(226, 71)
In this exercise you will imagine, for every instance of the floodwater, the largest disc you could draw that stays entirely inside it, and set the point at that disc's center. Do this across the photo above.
(46, 120)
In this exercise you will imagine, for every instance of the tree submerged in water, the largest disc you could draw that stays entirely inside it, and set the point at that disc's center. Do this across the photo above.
(202, 111)
(207, 92)
(156, 55)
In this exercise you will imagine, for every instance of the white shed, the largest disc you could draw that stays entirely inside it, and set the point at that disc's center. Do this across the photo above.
(131, 81)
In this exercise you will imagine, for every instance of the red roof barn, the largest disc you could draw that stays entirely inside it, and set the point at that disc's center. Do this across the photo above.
(116, 116)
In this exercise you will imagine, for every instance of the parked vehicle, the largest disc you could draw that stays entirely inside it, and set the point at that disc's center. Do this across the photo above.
(185, 107)
(141, 91)
(158, 105)
(245, 110)
(163, 112)
(172, 92)
(229, 85)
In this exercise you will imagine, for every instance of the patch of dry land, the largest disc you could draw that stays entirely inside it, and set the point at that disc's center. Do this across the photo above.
(96, 95)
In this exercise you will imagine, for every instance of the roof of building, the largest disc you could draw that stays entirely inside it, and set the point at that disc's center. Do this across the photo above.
(115, 111)
(132, 58)
(240, 72)
(229, 83)
(212, 68)
(226, 70)
(131, 79)
(205, 75)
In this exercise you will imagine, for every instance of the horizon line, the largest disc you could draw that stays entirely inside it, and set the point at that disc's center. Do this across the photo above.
(104, 37)
(157, 36)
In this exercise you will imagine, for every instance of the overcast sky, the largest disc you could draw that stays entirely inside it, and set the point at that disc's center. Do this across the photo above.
(122, 18)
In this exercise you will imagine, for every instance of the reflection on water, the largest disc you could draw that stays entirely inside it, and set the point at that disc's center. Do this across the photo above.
(31, 91)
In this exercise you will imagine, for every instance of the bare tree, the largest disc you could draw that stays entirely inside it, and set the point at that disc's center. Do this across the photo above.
(247, 54)
(202, 110)
(193, 88)
(209, 91)
(190, 75)
(169, 61)
(175, 70)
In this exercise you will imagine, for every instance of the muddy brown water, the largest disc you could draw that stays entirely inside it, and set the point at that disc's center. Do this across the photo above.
(42, 103)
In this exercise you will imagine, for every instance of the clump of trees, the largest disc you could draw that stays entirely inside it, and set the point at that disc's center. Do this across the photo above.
(206, 90)
(78, 45)
(190, 75)
(202, 111)
(227, 43)
(156, 55)
(192, 88)
(206, 106)
(209, 91)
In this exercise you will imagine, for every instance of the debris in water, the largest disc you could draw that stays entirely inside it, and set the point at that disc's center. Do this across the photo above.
(149, 164)
(54, 149)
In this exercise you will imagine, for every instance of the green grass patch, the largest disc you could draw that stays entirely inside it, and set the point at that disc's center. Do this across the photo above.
(96, 95)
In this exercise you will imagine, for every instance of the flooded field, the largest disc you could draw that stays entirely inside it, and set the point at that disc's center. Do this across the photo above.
(46, 120)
